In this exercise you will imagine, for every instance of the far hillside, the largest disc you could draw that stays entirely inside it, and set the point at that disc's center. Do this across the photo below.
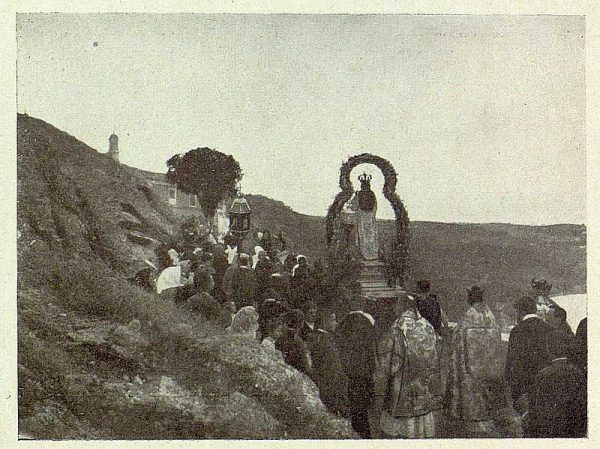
(502, 258)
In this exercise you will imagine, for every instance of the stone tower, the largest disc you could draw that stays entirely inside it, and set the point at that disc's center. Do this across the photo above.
(113, 147)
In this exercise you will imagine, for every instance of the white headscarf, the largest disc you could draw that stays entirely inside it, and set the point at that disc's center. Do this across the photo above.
(174, 255)
(282, 256)
(257, 250)
(231, 253)
(170, 277)
(368, 316)
(298, 257)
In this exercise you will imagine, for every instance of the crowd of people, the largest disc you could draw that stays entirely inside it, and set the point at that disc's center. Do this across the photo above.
(271, 295)
(382, 365)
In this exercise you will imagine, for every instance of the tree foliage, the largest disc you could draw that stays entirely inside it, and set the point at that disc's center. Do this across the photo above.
(207, 173)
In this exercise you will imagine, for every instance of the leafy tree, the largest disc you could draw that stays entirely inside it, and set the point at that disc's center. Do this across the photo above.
(206, 173)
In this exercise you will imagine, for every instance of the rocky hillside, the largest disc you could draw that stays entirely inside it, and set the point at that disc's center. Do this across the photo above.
(98, 358)
(72, 198)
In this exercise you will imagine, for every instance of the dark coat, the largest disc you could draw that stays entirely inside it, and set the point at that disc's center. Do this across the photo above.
(262, 272)
(580, 353)
(295, 352)
(327, 371)
(227, 281)
(356, 343)
(281, 284)
(558, 402)
(300, 287)
(355, 339)
(220, 265)
(527, 354)
(429, 308)
(243, 287)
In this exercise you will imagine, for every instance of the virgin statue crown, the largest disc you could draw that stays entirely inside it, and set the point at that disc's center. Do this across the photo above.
(364, 178)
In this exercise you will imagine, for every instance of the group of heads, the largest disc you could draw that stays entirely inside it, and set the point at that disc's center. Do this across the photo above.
(537, 300)
(539, 305)
(265, 236)
(474, 293)
(275, 319)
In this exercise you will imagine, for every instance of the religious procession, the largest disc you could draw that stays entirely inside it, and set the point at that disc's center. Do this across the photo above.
(389, 361)
(211, 222)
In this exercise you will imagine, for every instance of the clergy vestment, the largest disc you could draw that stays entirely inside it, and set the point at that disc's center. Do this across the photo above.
(475, 383)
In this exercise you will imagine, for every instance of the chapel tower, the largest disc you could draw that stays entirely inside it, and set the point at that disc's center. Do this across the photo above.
(113, 147)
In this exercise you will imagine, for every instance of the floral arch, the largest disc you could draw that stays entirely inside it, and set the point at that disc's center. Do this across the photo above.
(389, 192)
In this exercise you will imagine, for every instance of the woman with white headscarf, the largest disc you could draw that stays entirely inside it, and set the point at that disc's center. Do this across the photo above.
(257, 254)
(301, 261)
(169, 278)
(174, 256)
(231, 252)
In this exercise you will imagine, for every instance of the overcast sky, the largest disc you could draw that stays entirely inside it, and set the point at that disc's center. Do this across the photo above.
(482, 116)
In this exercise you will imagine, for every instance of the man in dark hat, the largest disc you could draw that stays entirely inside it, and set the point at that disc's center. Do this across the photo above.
(429, 306)
(558, 398)
(540, 290)
(528, 351)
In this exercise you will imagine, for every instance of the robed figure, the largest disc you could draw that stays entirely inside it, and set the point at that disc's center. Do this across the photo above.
(407, 380)
(364, 205)
(355, 341)
(558, 396)
(476, 387)
(528, 351)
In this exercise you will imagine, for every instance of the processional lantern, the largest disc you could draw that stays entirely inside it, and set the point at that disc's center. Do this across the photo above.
(239, 217)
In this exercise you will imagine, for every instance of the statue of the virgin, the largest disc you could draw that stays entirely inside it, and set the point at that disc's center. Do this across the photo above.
(364, 205)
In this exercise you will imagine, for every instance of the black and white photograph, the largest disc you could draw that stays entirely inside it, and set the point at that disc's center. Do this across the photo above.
(301, 226)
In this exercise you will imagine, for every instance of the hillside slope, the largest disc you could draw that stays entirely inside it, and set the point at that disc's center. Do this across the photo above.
(72, 198)
(86, 370)
(99, 358)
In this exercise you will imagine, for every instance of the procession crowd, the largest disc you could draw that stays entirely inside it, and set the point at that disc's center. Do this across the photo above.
(382, 366)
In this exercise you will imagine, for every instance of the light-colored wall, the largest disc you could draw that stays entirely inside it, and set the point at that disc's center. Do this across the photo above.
(182, 200)
(182, 204)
